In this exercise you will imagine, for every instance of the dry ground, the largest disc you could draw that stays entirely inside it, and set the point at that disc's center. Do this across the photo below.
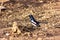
(47, 12)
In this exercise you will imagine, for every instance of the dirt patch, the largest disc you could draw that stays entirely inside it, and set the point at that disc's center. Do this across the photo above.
(47, 12)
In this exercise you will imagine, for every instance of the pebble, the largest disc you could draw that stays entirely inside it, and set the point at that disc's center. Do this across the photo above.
(7, 34)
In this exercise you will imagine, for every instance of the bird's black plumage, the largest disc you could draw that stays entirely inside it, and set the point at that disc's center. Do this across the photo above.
(33, 20)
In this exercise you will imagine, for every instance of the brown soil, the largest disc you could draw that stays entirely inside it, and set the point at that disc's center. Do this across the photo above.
(45, 11)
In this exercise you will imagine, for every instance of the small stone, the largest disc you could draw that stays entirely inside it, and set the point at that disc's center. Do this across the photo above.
(7, 34)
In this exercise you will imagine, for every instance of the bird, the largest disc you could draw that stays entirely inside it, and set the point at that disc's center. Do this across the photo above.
(33, 21)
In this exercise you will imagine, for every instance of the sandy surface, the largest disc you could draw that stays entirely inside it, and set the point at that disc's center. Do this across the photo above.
(15, 22)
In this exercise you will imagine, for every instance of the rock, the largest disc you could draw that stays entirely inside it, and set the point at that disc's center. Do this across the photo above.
(7, 34)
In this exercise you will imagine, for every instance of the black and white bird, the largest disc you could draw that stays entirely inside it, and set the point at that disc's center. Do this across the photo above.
(33, 21)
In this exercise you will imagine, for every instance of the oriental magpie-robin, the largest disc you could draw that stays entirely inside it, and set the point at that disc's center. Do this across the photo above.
(33, 21)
